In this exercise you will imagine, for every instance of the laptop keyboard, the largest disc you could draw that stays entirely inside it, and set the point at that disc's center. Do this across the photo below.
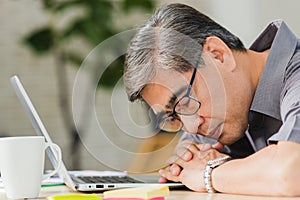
(108, 179)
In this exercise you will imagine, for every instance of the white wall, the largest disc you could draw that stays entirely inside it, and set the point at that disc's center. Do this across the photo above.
(247, 18)
(17, 18)
(39, 76)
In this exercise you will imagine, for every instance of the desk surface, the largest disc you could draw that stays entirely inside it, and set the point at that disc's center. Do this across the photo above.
(174, 194)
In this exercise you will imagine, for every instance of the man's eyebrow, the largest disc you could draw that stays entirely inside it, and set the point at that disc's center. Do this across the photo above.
(174, 97)
(171, 102)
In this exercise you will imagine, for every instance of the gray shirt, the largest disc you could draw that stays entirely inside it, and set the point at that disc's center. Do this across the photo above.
(275, 110)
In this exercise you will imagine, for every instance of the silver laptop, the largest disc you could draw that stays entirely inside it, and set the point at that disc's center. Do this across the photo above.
(79, 182)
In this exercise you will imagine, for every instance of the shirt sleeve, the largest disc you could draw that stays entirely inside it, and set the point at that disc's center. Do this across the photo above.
(290, 105)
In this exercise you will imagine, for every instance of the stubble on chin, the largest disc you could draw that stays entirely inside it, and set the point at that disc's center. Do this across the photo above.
(233, 132)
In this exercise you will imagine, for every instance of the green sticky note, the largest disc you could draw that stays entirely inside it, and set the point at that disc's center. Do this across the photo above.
(75, 196)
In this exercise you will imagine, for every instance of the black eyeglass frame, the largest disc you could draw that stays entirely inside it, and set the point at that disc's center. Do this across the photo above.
(174, 113)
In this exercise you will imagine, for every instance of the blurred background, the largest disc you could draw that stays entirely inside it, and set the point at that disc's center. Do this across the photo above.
(45, 41)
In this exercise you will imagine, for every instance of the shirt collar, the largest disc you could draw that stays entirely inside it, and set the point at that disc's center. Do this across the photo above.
(282, 43)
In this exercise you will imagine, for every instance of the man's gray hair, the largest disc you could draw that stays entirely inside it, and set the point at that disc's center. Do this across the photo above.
(171, 39)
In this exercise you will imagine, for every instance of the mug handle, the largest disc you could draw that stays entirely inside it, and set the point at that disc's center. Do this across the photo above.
(56, 149)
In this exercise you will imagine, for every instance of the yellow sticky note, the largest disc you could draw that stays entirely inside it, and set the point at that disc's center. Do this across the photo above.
(143, 192)
(74, 196)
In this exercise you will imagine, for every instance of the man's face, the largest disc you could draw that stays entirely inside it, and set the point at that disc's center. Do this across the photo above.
(222, 115)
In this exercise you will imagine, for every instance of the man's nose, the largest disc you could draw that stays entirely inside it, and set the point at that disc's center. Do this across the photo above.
(191, 123)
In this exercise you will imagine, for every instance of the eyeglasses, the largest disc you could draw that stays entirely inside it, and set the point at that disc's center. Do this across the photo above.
(186, 105)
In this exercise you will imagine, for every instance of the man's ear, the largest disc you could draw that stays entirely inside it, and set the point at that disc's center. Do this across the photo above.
(220, 52)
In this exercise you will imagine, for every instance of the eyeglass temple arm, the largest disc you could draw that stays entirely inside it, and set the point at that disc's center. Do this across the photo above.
(192, 79)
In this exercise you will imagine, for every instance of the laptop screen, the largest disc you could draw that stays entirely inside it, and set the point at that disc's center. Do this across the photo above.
(39, 126)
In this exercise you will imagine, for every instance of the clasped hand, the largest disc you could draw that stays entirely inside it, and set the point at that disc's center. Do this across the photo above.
(188, 162)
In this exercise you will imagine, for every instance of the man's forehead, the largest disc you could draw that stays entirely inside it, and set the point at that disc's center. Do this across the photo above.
(169, 79)
(156, 91)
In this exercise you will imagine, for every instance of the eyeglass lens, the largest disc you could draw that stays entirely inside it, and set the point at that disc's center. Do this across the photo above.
(171, 124)
(187, 106)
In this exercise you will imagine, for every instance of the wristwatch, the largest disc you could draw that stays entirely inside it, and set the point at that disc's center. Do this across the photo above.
(208, 169)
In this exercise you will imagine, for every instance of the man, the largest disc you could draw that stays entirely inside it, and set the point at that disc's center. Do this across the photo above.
(198, 77)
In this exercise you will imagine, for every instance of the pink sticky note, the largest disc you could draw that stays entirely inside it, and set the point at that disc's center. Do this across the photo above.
(154, 198)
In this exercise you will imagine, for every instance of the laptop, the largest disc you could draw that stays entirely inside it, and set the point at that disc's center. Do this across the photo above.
(77, 181)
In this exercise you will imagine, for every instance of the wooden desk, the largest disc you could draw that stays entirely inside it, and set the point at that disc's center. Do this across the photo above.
(174, 195)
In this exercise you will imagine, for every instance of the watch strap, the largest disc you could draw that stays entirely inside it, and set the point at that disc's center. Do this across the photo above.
(211, 164)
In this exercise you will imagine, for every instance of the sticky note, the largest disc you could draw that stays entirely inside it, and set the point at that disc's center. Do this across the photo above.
(74, 196)
(153, 192)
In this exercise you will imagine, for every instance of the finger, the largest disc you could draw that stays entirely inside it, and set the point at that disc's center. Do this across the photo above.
(219, 146)
(186, 142)
(185, 154)
(175, 169)
(172, 159)
(192, 147)
(162, 180)
(204, 150)
(205, 147)
(168, 175)
(176, 160)
(180, 162)
(186, 151)
(203, 154)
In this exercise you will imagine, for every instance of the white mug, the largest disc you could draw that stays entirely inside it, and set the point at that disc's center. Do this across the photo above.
(22, 165)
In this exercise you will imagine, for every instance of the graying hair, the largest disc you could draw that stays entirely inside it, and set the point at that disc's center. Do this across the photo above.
(171, 39)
